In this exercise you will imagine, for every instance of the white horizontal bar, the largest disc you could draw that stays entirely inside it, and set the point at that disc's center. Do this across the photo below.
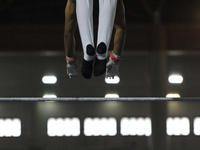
(97, 99)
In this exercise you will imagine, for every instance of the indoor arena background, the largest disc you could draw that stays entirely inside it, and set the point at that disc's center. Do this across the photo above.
(154, 102)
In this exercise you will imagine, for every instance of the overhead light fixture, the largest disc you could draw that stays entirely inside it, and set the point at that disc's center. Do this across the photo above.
(114, 80)
(196, 125)
(49, 96)
(173, 95)
(100, 126)
(136, 126)
(174, 128)
(63, 127)
(111, 96)
(10, 127)
(49, 79)
(175, 79)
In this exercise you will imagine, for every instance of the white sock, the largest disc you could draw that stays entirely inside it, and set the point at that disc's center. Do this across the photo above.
(84, 12)
(107, 10)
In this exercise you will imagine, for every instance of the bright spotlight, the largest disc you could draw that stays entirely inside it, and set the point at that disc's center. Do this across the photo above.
(63, 127)
(136, 126)
(116, 80)
(196, 126)
(111, 96)
(173, 95)
(100, 126)
(173, 126)
(175, 79)
(49, 79)
(10, 127)
(49, 96)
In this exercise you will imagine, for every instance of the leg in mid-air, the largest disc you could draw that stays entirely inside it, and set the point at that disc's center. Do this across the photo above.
(107, 11)
(119, 41)
(69, 39)
(84, 12)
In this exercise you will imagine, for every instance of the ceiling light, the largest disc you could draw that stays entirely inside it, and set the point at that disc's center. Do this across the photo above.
(116, 80)
(175, 79)
(49, 79)
(173, 95)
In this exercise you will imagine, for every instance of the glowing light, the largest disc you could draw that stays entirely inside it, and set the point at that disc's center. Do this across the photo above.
(51, 127)
(175, 79)
(63, 127)
(88, 127)
(49, 96)
(10, 127)
(60, 127)
(136, 126)
(16, 131)
(100, 127)
(74, 127)
(197, 126)
(112, 96)
(116, 80)
(49, 79)
(125, 127)
(173, 95)
(178, 126)
(112, 127)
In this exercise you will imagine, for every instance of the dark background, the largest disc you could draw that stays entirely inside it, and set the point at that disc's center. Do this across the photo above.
(52, 11)
(38, 25)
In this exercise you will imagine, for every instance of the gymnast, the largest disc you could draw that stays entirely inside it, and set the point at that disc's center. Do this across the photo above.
(111, 13)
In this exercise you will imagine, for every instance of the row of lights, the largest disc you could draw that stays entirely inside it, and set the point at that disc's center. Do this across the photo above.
(130, 126)
(53, 80)
(10, 127)
(173, 79)
(98, 126)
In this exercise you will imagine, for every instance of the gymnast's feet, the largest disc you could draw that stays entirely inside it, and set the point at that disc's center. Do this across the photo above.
(99, 67)
(87, 69)
(87, 65)
(101, 59)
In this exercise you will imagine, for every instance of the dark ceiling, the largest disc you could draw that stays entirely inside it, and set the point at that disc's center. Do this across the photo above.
(137, 11)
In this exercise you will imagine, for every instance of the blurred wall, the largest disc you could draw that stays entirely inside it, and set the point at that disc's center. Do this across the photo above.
(36, 25)
(147, 37)
(34, 116)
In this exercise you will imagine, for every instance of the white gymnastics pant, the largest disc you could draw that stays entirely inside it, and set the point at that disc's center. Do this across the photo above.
(84, 11)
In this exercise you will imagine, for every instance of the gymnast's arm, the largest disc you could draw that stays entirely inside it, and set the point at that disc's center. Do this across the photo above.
(120, 27)
(70, 27)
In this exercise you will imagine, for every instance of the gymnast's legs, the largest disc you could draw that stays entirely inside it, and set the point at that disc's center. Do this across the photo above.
(84, 10)
(107, 11)
(88, 43)
(119, 41)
